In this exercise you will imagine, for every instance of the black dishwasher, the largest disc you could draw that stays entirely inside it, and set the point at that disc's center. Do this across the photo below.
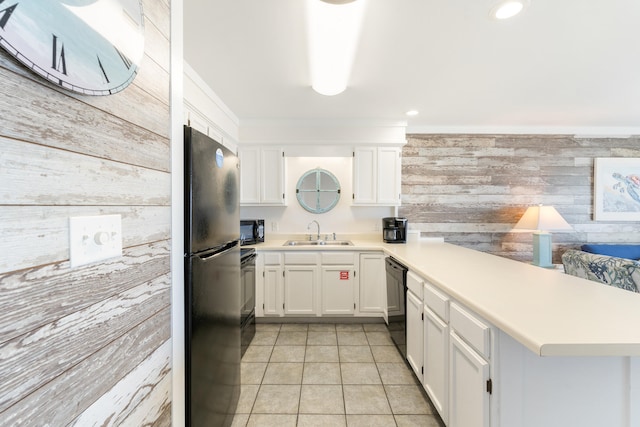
(396, 303)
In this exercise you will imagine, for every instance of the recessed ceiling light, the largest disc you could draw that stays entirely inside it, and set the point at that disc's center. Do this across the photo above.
(412, 113)
(508, 8)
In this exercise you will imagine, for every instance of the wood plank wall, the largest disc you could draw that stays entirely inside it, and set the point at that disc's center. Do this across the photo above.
(472, 189)
(89, 345)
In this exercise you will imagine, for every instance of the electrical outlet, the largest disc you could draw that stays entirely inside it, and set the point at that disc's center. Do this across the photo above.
(376, 226)
(94, 238)
(274, 226)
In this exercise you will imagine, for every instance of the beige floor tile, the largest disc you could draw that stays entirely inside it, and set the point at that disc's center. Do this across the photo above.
(349, 327)
(374, 327)
(288, 353)
(386, 354)
(257, 353)
(307, 420)
(268, 327)
(418, 421)
(396, 373)
(322, 327)
(359, 373)
(321, 353)
(252, 373)
(407, 400)
(283, 373)
(321, 399)
(277, 399)
(352, 338)
(240, 420)
(379, 338)
(248, 393)
(288, 327)
(355, 353)
(292, 338)
(321, 373)
(321, 338)
(365, 399)
(270, 420)
(370, 421)
(267, 337)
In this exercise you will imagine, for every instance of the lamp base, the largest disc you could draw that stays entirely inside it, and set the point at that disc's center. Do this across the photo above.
(542, 249)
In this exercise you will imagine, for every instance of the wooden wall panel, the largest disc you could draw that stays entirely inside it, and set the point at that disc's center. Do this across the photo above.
(71, 394)
(472, 189)
(89, 345)
(37, 235)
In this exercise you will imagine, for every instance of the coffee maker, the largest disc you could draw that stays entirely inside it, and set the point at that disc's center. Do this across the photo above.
(394, 229)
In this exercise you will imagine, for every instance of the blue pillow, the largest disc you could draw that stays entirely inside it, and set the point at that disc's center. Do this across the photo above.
(620, 251)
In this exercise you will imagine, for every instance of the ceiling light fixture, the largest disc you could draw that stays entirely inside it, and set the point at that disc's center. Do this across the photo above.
(508, 9)
(334, 30)
(412, 113)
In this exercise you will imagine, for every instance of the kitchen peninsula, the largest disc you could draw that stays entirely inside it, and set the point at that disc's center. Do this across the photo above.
(562, 351)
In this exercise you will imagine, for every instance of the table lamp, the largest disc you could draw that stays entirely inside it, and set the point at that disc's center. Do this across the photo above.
(541, 220)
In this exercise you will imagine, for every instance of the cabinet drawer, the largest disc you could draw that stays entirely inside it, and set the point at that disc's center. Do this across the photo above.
(306, 258)
(338, 258)
(471, 329)
(436, 301)
(414, 283)
(272, 258)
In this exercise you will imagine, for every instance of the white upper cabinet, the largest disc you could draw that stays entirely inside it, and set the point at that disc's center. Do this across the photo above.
(376, 176)
(262, 176)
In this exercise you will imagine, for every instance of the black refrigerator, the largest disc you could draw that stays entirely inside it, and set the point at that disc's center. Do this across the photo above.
(212, 282)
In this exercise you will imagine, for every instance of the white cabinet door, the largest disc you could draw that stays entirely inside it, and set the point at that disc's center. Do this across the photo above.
(389, 175)
(436, 362)
(272, 290)
(262, 176)
(300, 284)
(365, 175)
(376, 176)
(468, 377)
(338, 290)
(415, 333)
(272, 171)
(372, 283)
(249, 175)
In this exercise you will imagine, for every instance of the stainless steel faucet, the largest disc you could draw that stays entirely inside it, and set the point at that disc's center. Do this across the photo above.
(309, 227)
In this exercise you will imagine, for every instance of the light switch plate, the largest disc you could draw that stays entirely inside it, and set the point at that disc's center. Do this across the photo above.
(94, 238)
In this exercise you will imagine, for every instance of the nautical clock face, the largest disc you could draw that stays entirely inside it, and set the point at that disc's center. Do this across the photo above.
(93, 47)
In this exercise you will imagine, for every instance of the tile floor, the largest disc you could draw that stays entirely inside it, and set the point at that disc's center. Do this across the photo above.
(297, 374)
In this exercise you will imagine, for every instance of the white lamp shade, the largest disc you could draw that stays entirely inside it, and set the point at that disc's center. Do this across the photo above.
(542, 218)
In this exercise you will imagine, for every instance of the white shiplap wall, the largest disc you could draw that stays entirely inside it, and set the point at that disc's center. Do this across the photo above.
(90, 345)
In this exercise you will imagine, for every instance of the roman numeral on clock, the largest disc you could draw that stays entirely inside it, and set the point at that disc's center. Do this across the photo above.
(58, 61)
(127, 61)
(104, 73)
(6, 14)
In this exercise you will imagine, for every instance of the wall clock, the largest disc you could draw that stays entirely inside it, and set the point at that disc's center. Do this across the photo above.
(93, 47)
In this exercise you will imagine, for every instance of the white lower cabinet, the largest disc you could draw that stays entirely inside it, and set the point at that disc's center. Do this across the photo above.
(449, 349)
(300, 284)
(301, 280)
(372, 283)
(314, 283)
(470, 384)
(338, 290)
(468, 380)
(414, 324)
(338, 283)
(436, 362)
(272, 304)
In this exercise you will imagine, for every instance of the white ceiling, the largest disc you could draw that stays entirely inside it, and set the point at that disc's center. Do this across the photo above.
(568, 66)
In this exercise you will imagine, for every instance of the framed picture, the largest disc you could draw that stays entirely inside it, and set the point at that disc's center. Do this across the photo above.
(616, 189)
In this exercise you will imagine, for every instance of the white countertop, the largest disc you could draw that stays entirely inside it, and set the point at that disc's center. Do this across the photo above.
(550, 313)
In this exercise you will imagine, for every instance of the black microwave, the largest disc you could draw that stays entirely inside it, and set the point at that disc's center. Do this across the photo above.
(251, 231)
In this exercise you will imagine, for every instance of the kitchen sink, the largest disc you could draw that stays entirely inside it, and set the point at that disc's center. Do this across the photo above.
(318, 243)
